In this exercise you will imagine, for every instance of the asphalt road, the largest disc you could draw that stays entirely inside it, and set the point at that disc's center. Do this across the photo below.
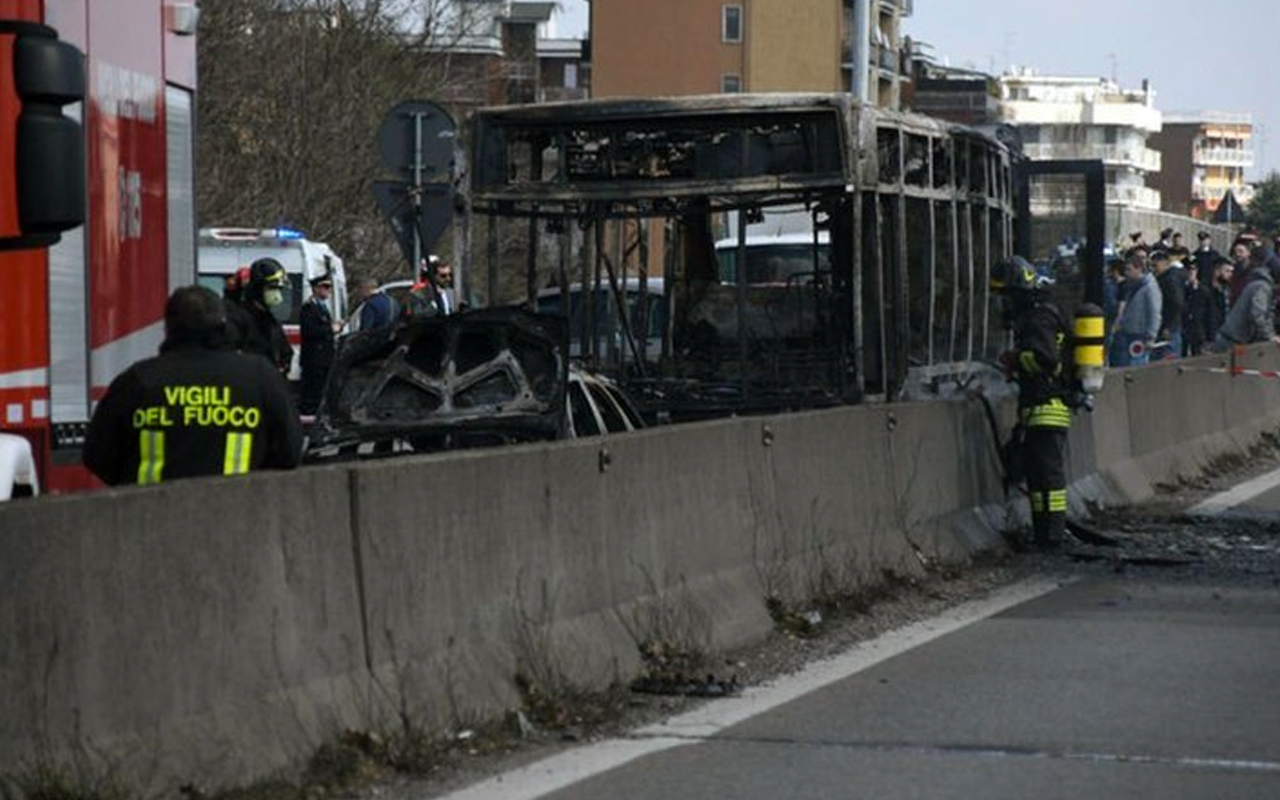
(1115, 683)
(1104, 689)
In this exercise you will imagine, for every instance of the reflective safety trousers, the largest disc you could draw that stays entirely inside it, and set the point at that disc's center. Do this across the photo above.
(1053, 413)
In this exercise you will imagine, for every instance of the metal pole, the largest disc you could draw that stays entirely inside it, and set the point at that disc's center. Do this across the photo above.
(491, 254)
(416, 194)
(531, 263)
(860, 49)
(741, 276)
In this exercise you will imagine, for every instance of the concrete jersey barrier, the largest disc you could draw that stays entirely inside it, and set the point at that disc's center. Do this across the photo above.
(217, 630)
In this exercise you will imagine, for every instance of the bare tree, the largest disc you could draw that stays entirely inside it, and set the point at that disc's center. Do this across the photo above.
(291, 96)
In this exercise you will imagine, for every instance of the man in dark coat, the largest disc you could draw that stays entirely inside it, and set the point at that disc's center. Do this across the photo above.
(1171, 278)
(317, 329)
(1205, 258)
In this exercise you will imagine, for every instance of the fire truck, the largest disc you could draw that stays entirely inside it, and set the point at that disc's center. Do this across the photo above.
(81, 302)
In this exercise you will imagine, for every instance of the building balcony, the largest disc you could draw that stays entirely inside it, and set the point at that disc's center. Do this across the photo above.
(1125, 115)
(1214, 191)
(1134, 197)
(1140, 158)
(1222, 156)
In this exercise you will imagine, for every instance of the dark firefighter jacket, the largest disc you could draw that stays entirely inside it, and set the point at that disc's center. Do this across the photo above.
(1041, 365)
(193, 410)
(262, 334)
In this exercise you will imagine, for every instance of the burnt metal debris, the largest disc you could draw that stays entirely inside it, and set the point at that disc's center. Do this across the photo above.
(485, 377)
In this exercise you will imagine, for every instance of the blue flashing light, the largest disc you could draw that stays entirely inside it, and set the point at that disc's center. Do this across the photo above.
(289, 233)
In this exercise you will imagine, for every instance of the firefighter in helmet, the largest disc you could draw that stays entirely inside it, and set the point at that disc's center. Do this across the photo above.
(266, 294)
(195, 409)
(1040, 364)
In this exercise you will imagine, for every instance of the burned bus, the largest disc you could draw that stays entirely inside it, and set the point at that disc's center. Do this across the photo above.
(795, 250)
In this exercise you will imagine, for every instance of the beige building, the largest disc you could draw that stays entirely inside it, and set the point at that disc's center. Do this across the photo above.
(660, 48)
(1205, 156)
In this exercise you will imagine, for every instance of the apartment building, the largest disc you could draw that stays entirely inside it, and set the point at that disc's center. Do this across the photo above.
(1204, 155)
(1069, 118)
(686, 47)
(503, 52)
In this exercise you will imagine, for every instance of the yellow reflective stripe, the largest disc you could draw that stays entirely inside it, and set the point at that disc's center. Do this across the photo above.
(1053, 414)
(239, 449)
(1028, 360)
(1037, 502)
(150, 457)
(1058, 500)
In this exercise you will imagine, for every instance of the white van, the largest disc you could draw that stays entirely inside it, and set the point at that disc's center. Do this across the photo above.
(775, 260)
(223, 251)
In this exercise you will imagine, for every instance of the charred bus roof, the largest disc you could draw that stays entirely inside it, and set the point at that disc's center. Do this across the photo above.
(660, 153)
(656, 156)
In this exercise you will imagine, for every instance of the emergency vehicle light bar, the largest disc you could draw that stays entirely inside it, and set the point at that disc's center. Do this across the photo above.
(250, 234)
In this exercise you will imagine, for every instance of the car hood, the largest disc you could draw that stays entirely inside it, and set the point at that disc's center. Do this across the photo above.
(488, 376)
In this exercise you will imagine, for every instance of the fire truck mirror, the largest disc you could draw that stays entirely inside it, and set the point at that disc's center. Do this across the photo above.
(48, 145)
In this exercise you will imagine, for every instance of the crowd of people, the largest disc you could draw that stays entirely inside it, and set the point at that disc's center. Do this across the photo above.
(1165, 301)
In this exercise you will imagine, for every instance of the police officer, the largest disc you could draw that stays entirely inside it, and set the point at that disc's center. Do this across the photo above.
(264, 294)
(316, 356)
(195, 409)
(1039, 363)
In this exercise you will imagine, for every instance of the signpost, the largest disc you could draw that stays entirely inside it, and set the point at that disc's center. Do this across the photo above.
(417, 141)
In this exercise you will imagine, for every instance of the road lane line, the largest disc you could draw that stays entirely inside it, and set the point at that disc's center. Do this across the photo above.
(1225, 501)
(565, 769)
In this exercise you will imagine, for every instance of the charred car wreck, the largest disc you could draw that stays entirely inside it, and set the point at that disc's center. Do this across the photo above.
(486, 377)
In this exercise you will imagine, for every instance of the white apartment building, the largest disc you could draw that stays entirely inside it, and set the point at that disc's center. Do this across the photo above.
(1068, 118)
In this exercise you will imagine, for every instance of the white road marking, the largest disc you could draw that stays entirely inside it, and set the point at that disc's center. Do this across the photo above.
(1225, 501)
(565, 769)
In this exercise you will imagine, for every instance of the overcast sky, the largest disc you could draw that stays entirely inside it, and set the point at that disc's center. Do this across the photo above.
(1199, 56)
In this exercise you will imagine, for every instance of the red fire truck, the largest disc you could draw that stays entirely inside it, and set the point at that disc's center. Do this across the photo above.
(74, 314)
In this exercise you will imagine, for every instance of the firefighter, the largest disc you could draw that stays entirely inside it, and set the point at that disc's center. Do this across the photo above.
(195, 409)
(1040, 364)
(263, 296)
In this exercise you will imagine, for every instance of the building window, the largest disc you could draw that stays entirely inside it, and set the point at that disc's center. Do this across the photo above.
(730, 84)
(731, 23)
(571, 76)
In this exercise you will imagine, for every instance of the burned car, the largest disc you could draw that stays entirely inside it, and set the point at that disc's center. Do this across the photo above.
(477, 379)
(487, 377)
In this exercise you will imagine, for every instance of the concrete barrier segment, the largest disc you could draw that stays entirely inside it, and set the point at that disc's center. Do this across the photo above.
(149, 624)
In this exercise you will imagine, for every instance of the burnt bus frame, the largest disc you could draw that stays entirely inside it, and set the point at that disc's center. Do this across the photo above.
(865, 186)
